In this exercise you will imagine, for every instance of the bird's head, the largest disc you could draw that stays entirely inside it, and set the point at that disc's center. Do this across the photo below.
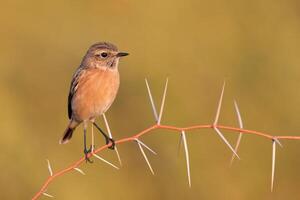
(103, 55)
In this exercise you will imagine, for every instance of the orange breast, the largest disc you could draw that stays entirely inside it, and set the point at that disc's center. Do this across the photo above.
(96, 91)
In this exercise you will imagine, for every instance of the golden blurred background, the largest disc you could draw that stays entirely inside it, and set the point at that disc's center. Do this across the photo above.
(253, 45)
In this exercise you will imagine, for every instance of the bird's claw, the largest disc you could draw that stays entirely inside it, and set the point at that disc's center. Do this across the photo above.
(110, 140)
(86, 152)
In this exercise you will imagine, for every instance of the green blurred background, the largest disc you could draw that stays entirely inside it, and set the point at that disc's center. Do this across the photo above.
(253, 45)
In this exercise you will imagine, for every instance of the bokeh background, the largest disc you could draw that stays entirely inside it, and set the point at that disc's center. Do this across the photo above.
(253, 45)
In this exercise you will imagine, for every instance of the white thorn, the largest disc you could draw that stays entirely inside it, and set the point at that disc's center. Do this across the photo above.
(103, 160)
(240, 135)
(118, 155)
(238, 115)
(236, 147)
(219, 105)
(147, 147)
(110, 135)
(47, 195)
(163, 102)
(79, 170)
(49, 168)
(179, 144)
(226, 142)
(273, 163)
(151, 100)
(145, 157)
(278, 142)
(186, 157)
(107, 125)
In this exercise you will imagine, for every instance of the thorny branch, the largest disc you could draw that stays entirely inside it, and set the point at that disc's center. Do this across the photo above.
(181, 130)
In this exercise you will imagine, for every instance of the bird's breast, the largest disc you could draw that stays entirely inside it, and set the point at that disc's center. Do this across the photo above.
(96, 91)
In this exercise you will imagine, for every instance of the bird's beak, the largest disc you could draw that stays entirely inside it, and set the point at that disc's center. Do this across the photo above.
(121, 54)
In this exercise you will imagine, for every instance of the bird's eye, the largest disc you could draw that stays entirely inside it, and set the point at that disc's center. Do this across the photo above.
(104, 55)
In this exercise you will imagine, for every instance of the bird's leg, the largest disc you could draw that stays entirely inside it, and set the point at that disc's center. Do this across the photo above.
(85, 150)
(107, 138)
(93, 141)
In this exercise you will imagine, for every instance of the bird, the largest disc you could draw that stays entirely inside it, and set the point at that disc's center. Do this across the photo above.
(93, 89)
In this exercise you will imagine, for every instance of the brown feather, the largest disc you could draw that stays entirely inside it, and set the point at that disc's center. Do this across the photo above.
(94, 86)
(96, 90)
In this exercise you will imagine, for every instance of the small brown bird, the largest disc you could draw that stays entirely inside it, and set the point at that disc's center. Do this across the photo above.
(93, 89)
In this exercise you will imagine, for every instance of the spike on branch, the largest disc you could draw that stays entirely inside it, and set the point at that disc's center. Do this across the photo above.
(277, 141)
(187, 157)
(226, 142)
(217, 119)
(163, 102)
(240, 134)
(47, 195)
(144, 145)
(145, 157)
(273, 163)
(110, 135)
(157, 117)
(179, 144)
(105, 161)
(151, 101)
(219, 105)
(79, 170)
(49, 168)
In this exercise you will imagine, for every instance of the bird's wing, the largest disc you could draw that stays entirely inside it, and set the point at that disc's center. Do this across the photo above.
(73, 88)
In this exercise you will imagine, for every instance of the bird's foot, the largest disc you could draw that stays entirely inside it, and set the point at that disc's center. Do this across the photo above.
(86, 152)
(112, 141)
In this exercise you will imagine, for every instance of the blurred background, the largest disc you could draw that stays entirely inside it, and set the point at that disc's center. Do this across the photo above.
(253, 45)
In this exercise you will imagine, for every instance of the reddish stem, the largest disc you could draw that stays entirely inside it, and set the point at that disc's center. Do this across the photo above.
(132, 138)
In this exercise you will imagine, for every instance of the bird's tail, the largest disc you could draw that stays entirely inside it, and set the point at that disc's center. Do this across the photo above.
(68, 132)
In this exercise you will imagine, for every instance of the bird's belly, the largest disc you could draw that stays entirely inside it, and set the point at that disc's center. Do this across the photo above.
(95, 95)
(102, 102)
